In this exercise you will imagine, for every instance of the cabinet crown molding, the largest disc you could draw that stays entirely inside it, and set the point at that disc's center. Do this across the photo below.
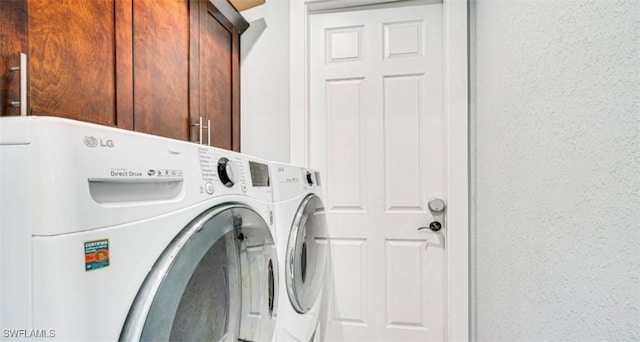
(241, 5)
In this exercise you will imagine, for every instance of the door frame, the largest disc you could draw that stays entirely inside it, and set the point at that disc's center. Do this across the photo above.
(456, 110)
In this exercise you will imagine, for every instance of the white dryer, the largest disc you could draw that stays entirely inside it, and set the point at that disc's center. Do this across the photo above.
(302, 244)
(109, 235)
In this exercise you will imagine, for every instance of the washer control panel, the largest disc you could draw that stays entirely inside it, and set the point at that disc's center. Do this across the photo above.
(220, 169)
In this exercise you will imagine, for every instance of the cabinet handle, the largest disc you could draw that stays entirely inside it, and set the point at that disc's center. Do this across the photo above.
(23, 85)
(203, 127)
(200, 131)
(208, 132)
(208, 128)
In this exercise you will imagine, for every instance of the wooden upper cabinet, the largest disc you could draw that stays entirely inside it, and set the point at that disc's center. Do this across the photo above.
(154, 66)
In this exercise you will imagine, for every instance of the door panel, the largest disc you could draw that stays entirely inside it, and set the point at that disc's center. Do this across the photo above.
(402, 132)
(161, 67)
(348, 292)
(72, 60)
(345, 144)
(376, 131)
(219, 77)
(404, 285)
(216, 80)
(13, 41)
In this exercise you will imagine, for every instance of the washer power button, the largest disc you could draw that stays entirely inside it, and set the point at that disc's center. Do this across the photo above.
(209, 188)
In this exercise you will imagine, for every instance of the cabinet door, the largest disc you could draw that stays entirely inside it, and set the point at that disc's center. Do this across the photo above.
(13, 40)
(219, 76)
(71, 57)
(161, 67)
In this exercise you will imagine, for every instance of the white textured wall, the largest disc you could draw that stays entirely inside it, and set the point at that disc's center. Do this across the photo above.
(556, 170)
(264, 72)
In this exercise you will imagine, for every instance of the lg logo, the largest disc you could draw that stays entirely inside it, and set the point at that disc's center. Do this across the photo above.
(93, 142)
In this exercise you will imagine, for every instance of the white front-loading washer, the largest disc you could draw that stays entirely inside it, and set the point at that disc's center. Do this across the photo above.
(109, 235)
(302, 245)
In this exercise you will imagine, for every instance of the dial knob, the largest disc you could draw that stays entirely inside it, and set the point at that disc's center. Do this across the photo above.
(226, 172)
(309, 178)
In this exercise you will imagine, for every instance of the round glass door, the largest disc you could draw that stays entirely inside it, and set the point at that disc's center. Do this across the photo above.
(194, 292)
(306, 255)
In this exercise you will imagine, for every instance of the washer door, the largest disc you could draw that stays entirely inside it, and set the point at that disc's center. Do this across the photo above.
(306, 257)
(194, 292)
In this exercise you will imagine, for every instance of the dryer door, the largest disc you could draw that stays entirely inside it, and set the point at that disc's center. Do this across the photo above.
(206, 285)
(306, 255)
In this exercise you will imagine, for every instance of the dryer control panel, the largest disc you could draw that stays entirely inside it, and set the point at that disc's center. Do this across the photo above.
(290, 181)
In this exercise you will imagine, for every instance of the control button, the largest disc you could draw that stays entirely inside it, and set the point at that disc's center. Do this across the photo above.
(209, 188)
(244, 187)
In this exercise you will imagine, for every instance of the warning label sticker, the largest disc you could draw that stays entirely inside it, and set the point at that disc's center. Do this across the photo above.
(96, 254)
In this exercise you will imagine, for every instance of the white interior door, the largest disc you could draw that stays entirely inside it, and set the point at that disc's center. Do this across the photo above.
(376, 132)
